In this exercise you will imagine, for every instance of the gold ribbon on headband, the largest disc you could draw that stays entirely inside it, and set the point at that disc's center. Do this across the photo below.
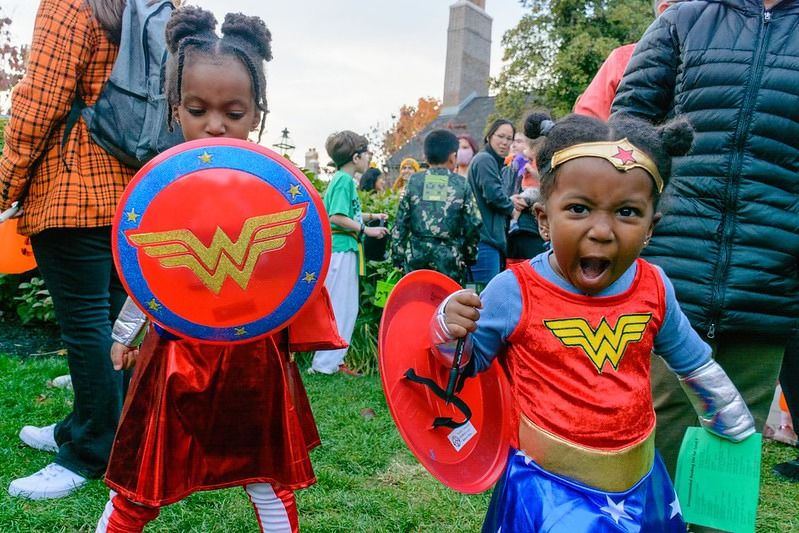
(621, 154)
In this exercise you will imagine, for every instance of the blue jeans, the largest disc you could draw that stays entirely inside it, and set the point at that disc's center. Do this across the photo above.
(488, 263)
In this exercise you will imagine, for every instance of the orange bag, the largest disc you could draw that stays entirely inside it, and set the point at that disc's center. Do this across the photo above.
(16, 254)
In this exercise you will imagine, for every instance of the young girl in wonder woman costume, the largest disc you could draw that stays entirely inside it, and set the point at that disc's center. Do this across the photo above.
(575, 326)
(201, 416)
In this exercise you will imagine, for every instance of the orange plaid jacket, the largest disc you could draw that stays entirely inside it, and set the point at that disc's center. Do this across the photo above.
(80, 185)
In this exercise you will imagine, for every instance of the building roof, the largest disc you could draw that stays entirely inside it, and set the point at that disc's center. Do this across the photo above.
(469, 117)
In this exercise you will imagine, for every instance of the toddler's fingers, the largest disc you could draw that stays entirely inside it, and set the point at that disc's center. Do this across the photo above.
(466, 297)
(458, 330)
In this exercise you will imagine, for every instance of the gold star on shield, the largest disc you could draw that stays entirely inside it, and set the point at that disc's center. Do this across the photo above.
(294, 191)
(205, 158)
(310, 277)
(240, 331)
(132, 215)
(153, 305)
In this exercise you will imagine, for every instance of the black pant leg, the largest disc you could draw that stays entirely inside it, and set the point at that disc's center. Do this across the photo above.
(78, 270)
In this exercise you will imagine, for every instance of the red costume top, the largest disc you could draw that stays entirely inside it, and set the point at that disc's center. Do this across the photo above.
(579, 365)
(200, 416)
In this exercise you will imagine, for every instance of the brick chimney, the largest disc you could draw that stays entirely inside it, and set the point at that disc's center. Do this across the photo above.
(468, 52)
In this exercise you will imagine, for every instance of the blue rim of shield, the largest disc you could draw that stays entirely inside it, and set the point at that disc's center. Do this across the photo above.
(245, 160)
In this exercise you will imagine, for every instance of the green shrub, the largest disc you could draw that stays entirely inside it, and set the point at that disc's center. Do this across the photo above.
(362, 355)
(3, 122)
(35, 303)
(9, 283)
(26, 296)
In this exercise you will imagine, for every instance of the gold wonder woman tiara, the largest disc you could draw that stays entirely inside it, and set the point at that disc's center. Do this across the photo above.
(622, 154)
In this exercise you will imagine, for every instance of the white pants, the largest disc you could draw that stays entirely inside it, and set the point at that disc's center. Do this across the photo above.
(342, 285)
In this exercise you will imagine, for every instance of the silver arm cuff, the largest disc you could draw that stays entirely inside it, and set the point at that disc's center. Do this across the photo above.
(718, 403)
(443, 342)
(130, 324)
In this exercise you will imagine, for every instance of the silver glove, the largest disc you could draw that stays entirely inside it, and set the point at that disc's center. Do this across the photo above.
(720, 407)
(130, 325)
(443, 342)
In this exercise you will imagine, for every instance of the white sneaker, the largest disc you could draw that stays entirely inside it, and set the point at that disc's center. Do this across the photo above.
(52, 481)
(62, 382)
(39, 438)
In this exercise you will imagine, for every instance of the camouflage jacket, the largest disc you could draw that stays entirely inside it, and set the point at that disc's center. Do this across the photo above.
(437, 225)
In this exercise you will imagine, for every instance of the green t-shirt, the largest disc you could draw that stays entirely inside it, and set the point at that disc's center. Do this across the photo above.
(342, 199)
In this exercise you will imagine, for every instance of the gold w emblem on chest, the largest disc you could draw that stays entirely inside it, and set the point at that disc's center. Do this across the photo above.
(224, 257)
(604, 342)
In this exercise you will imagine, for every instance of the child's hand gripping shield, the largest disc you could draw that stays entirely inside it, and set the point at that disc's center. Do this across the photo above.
(221, 240)
(462, 439)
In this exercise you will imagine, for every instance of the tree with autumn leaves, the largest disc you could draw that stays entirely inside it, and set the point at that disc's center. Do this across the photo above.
(12, 58)
(408, 123)
(557, 47)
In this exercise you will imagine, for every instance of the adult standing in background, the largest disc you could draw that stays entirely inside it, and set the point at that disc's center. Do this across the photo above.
(495, 206)
(408, 167)
(467, 148)
(374, 249)
(598, 96)
(69, 195)
(372, 181)
(729, 239)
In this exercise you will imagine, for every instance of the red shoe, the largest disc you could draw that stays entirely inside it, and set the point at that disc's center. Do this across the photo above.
(344, 369)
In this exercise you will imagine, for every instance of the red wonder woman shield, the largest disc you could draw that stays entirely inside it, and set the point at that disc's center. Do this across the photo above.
(470, 457)
(221, 240)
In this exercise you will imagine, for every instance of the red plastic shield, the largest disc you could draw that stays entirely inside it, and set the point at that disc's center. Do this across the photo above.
(221, 240)
(466, 459)
(16, 254)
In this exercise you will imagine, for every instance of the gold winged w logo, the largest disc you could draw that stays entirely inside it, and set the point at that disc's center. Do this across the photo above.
(604, 342)
(224, 257)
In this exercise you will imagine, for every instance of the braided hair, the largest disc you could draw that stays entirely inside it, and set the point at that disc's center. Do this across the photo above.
(191, 30)
(661, 143)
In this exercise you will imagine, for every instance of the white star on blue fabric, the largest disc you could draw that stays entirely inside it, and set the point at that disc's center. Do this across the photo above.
(615, 510)
(527, 458)
(675, 507)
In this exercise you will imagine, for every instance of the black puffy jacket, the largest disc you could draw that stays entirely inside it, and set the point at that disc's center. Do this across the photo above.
(729, 239)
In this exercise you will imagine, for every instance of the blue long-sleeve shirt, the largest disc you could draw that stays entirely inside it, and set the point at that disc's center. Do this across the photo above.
(676, 341)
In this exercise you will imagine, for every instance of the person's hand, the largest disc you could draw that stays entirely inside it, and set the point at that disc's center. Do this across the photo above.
(15, 211)
(461, 313)
(519, 203)
(123, 357)
(378, 232)
(379, 216)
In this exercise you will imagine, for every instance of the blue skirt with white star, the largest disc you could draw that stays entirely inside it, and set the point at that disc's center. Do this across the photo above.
(529, 499)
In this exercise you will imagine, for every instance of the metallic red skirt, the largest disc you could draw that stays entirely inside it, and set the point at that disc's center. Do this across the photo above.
(200, 417)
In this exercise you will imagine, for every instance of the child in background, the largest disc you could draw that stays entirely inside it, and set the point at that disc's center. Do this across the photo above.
(524, 240)
(350, 153)
(575, 327)
(200, 416)
(438, 225)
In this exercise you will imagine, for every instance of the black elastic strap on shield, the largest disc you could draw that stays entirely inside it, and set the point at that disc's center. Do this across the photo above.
(442, 421)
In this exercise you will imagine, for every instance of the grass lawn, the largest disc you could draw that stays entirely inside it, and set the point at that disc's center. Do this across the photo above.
(367, 480)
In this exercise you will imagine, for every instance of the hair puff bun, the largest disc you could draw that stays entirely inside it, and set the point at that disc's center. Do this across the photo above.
(185, 22)
(251, 30)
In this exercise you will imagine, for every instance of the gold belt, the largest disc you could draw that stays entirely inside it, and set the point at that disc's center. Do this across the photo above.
(356, 236)
(611, 471)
